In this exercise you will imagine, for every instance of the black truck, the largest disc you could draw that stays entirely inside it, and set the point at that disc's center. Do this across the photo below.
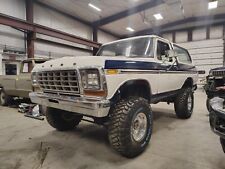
(215, 90)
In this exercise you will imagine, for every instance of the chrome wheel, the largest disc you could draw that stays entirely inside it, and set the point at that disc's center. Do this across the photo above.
(189, 103)
(139, 127)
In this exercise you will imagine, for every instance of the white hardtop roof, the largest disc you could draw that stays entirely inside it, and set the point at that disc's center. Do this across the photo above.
(135, 37)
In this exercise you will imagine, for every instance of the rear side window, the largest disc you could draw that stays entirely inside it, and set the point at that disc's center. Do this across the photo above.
(182, 55)
(162, 47)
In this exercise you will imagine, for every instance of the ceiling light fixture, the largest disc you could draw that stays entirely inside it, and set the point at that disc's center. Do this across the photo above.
(212, 4)
(94, 7)
(130, 29)
(158, 16)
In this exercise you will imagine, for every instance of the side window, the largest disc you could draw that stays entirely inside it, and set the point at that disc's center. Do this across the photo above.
(182, 55)
(162, 47)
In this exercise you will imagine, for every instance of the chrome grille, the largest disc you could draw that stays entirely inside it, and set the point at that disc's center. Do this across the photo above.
(218, 73)
(59, 81)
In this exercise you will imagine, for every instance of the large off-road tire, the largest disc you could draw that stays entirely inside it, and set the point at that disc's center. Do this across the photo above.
(209, 108)
(222, 141)
(5, 100)
(130, 126)
(184, 103)
(62, 120)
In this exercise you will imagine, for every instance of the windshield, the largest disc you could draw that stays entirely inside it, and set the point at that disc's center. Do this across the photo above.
(130, 47)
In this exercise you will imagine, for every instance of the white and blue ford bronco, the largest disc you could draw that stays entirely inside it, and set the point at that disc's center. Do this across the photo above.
(116, 87)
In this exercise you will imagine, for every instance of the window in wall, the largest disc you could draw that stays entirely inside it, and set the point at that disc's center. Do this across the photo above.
(182, 54)
(10, 69)
(162, 47)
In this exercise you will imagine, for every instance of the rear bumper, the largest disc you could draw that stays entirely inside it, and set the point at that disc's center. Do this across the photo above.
(85, 106)
(217, 116)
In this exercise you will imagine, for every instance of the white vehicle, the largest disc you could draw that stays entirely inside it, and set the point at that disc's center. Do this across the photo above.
(116, 88)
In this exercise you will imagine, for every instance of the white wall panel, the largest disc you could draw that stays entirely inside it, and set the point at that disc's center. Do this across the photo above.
(8, 35)
(216, 32)
(47, 50)
(181, 36)
(199, 34)
(104, 38)
(15, 8)
(58, 21)
(168, 36)
(206, 54)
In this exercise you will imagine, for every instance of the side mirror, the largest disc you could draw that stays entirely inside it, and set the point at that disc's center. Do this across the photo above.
(170, 53)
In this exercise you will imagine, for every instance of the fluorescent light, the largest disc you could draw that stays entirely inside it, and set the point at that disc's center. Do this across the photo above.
(158, 16)
(130, 29)
(212, 5)
(94, 7)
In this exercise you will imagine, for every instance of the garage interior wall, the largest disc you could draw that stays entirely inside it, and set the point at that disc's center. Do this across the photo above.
(15, 40)
(206, 52)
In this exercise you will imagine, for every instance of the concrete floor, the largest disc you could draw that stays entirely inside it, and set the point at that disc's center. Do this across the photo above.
(175, 144)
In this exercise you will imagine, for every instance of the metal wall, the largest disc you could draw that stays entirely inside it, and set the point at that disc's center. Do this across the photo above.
(14, 39)
(206, 49)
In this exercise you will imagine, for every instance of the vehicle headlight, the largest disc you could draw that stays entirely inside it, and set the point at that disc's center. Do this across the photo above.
(34, 78)
(90, 79)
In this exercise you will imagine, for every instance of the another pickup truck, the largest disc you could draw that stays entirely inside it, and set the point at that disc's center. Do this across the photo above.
(18, 85)
(116, 87)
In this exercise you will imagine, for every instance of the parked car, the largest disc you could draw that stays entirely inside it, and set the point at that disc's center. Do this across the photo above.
(18, 85)
(215, 90)
(116, 87)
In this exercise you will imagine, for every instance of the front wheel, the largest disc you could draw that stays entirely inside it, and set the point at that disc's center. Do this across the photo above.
(184, 103)
(222, 141)
(4, 98)
(130, 126)
(62, 120)
(209, 108)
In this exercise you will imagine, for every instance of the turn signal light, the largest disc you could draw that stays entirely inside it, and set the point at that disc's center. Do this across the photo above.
(112, 71)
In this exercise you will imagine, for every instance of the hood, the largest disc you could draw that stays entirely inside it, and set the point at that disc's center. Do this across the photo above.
(82, 61)
(218, 69)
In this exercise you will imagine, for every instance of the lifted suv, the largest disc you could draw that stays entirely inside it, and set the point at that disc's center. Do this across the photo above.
(116, 87)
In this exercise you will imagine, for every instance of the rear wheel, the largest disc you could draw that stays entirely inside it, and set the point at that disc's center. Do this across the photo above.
(4, 98)
(62, 120)
(130, 126)
(184, 103)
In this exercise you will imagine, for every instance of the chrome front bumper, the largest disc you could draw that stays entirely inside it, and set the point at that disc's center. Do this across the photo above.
(86, 106)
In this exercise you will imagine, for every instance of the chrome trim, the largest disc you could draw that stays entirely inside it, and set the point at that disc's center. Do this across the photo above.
(85, 106)
(59, 81)
(103, 83)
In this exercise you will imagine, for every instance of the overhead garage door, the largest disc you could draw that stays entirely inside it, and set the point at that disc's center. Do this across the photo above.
(206, 54)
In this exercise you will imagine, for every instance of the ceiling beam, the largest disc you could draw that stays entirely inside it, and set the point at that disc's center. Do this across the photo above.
(74, 17)
(36, 28)
(148, 5)
(203, 21)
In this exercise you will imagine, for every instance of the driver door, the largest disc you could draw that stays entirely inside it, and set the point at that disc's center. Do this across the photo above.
(167, 76)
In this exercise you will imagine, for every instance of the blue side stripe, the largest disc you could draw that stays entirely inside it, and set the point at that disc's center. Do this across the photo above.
(142, 65)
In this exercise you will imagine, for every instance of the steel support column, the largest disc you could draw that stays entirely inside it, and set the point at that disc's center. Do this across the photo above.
(30, 35)
(95, 39)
